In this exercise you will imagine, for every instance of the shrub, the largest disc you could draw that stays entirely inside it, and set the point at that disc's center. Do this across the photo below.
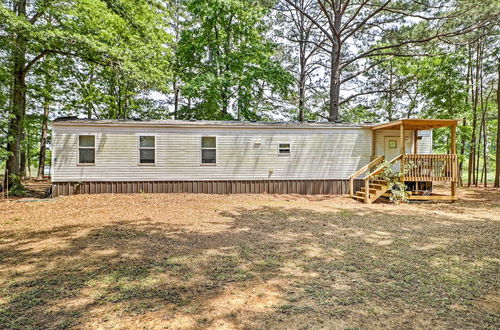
(17, 188)
(393, 179)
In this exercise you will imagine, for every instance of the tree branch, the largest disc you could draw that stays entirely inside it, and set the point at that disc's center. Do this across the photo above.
(407, 42)
(367, 18)
(34, 60)
(327, 34)
(362, 71)
(353, 17)
(365, 93)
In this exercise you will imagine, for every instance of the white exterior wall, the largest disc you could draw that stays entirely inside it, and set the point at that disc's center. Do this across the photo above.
(316, 153)
(424, 146)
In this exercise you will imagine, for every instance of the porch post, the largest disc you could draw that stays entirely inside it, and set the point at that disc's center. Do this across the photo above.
(415, 151)
(373, 145)
(415, 142)
(402, 138)
(453, 149)
(402, 144)
(453, 139)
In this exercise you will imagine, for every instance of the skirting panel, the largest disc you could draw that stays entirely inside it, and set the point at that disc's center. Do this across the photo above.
(304, 187)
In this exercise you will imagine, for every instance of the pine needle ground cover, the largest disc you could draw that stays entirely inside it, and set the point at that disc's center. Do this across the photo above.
(249, 261)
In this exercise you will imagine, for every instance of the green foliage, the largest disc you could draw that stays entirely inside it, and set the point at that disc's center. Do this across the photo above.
(358, 114)
(225, 62)
(16, 188)
(123, 47)
(399, 194)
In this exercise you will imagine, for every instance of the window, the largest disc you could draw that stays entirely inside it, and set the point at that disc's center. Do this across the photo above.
(284, 149)
(86, 149)
(147, 149)
(208, 150)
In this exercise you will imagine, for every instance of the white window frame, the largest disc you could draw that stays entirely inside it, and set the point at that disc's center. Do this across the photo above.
(78, 151)
(206, 148)
(289, 149)
(148, 148)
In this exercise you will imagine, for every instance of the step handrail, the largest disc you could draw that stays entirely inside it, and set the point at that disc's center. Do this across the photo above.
(372, 174)
(380, 169)
(365, 168)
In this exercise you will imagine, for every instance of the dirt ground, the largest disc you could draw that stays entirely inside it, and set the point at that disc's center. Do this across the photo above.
(249, 261)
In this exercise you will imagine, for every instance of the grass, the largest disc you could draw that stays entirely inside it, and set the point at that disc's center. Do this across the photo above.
(200, 261)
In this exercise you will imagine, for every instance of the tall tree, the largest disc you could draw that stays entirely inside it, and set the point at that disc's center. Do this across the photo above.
(127, 34)
(305, 49)
(354, 30)
(226, 62)
(497, 167)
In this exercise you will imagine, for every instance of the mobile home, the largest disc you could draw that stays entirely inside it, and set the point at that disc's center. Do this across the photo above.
(131, 156)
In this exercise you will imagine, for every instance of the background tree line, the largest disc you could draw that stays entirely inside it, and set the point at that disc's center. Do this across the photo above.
(335, 60)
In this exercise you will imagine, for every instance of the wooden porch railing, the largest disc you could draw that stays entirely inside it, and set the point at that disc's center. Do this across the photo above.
(426, 168)
(362, 170)
(431, 167)
(374, 174)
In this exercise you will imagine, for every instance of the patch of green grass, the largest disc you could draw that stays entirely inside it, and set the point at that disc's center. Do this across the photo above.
(345, 213)
(290, 309)
(360, 269)
(176, 266)
(266, 265)
(223, 268)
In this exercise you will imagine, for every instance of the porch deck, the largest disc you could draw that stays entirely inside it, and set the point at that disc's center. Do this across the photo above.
(427, 168)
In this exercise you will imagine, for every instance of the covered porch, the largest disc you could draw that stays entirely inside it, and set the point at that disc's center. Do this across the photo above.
(402, 148)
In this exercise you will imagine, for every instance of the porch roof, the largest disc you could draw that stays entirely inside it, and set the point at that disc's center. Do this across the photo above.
(417, 124)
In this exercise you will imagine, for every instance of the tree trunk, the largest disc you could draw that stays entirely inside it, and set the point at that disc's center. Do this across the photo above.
(43, 142)
(302, 88)
(27, 157)
(18, 106)
(335, 65)
(497, 169)
(478, 153)
(481, 124)
(334, 85)
(302, 70)
(462, 148)
(485, 155)
(301, 99)
(176, 99)
(462, 155)
(475, 94)
(390, 116)
(22, 161)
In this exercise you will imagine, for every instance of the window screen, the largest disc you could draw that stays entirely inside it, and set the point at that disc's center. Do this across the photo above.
(147, 146)
(86, 149)
(284, 148)
(208, 150)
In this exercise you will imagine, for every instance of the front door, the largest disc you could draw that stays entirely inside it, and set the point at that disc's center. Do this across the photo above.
(392, 148)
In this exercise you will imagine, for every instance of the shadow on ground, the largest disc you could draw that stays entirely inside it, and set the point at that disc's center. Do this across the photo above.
(272, 267)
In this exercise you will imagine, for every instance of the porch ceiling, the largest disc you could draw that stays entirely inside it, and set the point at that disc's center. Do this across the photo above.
(417, 124)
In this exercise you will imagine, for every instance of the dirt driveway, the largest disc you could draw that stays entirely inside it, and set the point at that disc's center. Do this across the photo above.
(249, 261)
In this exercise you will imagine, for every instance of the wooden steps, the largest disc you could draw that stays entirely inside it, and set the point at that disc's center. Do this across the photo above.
(428, 168)
(375, 190)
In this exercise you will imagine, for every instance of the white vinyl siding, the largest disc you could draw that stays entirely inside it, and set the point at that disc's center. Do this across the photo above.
(241, 153)
(424, 145)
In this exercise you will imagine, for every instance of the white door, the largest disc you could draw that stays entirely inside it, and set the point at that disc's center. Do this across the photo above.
(392, 148)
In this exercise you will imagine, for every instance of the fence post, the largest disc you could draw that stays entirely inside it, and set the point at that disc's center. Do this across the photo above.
(367, 191)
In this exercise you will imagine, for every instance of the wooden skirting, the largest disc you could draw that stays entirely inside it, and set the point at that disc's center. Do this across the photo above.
(304, 187)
